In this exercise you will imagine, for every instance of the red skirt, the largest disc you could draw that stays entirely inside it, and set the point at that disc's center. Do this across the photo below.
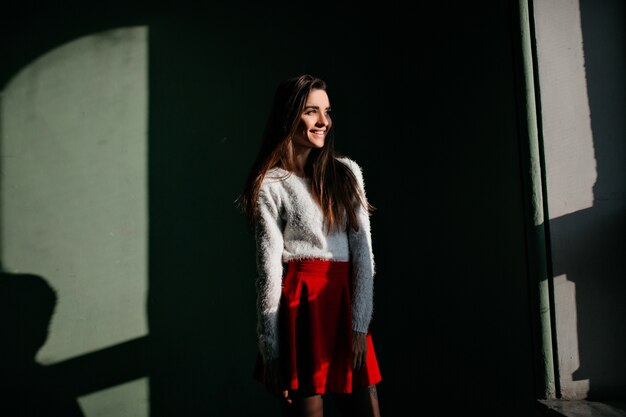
(315, 330)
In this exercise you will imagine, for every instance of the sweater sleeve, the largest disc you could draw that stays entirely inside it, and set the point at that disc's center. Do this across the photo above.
(362, 258)
(269, 250)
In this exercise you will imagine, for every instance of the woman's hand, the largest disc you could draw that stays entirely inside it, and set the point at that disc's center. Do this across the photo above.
(273, 380)
(359, 350)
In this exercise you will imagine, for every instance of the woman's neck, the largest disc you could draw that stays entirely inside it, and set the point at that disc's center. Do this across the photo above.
(300, 156)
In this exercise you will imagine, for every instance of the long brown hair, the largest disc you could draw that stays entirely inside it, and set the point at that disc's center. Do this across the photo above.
(334, 186)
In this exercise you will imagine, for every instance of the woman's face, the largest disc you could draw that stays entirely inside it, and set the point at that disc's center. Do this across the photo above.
(315, 121)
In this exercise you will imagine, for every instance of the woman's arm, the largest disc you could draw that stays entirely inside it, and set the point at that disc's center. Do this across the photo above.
(363, 265)
(269, 250)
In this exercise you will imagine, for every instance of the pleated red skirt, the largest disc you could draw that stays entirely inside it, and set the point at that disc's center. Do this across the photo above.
(315, 330)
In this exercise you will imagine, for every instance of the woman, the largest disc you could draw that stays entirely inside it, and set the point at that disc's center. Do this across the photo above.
(307, 207)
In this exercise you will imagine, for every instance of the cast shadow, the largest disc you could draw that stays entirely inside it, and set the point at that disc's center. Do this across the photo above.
(27, 303)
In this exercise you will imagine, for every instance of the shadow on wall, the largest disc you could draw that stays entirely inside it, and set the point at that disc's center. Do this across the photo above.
(31, 389)
(27, 303)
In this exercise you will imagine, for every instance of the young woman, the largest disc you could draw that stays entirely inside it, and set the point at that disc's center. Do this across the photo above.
(307, 207)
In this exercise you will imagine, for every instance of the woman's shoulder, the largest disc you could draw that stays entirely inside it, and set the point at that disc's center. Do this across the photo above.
(351, 163)
(275, 177)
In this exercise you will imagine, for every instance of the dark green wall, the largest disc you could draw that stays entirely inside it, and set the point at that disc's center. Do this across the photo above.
(425, 100)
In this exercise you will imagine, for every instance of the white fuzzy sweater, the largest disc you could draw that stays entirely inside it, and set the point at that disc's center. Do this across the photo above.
(290, 225)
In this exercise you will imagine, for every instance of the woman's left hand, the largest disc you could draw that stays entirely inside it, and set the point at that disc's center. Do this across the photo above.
(359, 349)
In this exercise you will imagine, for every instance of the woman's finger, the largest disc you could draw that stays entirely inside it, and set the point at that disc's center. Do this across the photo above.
(286, 396)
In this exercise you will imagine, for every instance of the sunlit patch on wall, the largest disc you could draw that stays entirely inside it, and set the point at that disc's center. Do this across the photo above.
(73, 195)
(129, 399)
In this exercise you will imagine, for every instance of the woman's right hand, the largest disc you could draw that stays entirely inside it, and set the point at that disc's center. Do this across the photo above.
(273, 380)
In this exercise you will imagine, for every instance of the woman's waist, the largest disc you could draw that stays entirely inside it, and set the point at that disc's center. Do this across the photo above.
(336, 252)
(317, 265)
